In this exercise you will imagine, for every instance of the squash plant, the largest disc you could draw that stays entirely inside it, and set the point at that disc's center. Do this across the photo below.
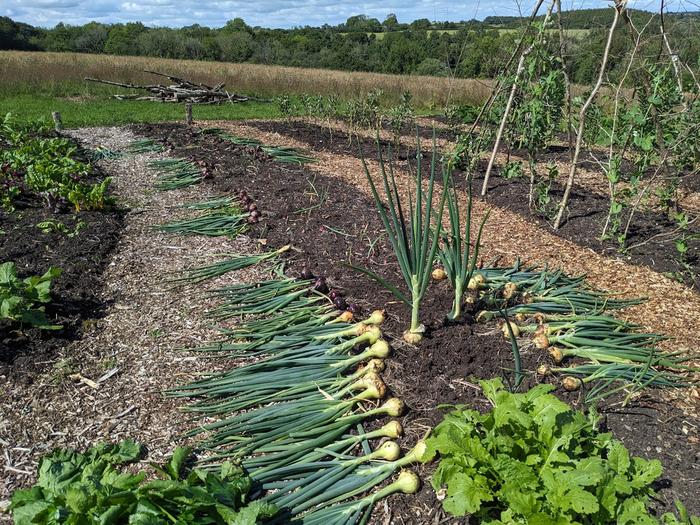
(534, 460)
(23, 300)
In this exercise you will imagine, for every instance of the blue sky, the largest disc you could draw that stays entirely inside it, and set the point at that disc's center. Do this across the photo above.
(275, 13)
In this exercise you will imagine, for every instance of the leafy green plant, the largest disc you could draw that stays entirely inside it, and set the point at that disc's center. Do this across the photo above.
(542, 196)
(23, 300)
(54, 226)
(532, 459)
(38, 165)
(95, 487)
(513, 170)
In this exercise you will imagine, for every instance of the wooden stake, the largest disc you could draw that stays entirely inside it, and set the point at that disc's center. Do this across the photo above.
(58, 123)
(620, 6)
(188, 114)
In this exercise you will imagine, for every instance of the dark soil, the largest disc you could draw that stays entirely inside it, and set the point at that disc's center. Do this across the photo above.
(585, 219)
(76, 293)
(445, 367)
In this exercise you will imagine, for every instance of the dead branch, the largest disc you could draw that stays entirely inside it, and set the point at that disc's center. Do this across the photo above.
(181, 90)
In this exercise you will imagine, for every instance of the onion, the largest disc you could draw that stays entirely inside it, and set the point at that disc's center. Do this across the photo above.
(520, 317)
(541, 341)
(514, 327)
(418, 452)
(544, 370)
(345, 317)
(320, 285)
(333, 294)
(439, 274)
(556, 354)
(242, 194)
(379, 349)
(374, 365)
(571, 384)
(393, 407)
(255, 213)
(408, 482)
(354, 308)
(252, 207)
(539, 318)
(252, 220)
(392, 429)
(412, 338)
(306, 274)
(476, 282)
(376, 317)
(388, 451)
(340, 303)
(509, 290)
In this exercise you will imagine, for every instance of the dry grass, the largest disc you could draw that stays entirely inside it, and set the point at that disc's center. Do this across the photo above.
(26, 71)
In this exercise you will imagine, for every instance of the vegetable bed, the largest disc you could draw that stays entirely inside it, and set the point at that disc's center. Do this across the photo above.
(329, 223)
(40, 230)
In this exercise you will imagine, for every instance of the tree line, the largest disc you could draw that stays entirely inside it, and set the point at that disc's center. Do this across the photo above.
(469, 49)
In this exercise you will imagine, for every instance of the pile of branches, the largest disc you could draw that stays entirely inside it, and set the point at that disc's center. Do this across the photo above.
(180, 90)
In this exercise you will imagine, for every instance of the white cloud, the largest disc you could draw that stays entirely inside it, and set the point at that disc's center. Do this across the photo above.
(271, 13)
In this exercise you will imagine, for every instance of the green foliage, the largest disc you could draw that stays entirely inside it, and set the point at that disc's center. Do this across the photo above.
(54, 226)
(23, 300)
(534, 460)
(40, 165)
(513, 170)
(95, 487)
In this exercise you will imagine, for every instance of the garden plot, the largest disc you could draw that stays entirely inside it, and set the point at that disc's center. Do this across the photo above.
(324, 212)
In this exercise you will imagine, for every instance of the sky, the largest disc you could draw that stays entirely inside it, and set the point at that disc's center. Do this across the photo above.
(276, 13)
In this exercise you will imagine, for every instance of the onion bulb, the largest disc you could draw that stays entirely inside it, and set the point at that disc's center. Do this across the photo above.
(333, 294)
(541, 341)
(418, 452)
(509, 290)
(388, 451)
(374, 365)
(380, 349)
(393, 407)
(392, 429)
(544, 370)
(376, 317)
(320, 285)
(439, 274)
(556, 354)
(476, 282)
(306, 274)
(408, 482)
(412, 338)
(354, 308)
(345, 317)
(340, 303)
(520, 317)
(571, 384)
(514, 327)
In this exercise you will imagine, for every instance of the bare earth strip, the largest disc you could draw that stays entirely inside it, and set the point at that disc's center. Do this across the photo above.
(145, 326)
(671, 308)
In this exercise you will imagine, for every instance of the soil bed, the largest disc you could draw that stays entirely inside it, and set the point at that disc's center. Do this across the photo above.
(75, 293)
(341, 226)
(587, 210)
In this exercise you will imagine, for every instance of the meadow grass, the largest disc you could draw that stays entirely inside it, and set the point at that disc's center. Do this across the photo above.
(33, 84)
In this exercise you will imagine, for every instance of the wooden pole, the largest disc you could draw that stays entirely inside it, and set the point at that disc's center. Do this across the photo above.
(58, 123)
(188, 114)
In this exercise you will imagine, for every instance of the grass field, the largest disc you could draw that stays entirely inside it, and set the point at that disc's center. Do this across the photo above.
(34, 84)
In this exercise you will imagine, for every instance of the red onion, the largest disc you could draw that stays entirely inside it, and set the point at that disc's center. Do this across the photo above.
(306, 274)
(333, 294)
(320, 285)
(354, 308)
(340, 303)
